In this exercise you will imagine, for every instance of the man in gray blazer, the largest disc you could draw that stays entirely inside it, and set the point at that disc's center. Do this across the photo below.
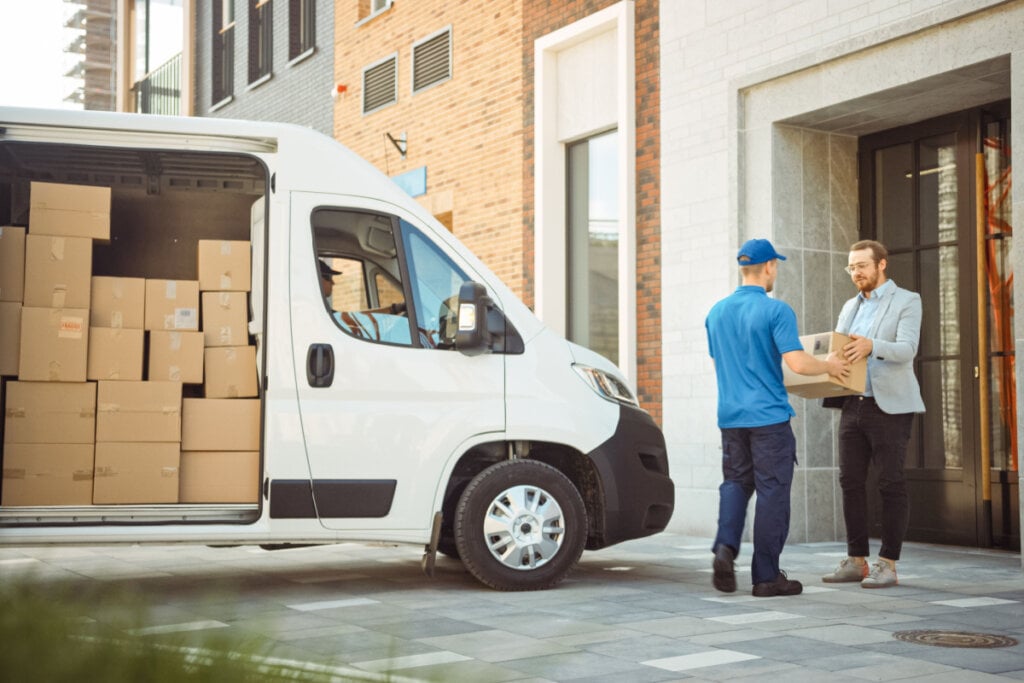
(884, 323)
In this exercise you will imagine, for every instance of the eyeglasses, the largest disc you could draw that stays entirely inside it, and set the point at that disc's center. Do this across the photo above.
(854, 267)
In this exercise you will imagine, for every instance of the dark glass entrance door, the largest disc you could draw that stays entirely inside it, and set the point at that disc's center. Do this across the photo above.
(918, 198)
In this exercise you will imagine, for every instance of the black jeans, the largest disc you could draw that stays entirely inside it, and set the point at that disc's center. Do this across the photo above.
(870, 436)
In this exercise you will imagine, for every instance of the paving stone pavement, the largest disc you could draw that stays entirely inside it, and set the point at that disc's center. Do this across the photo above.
(640, 611)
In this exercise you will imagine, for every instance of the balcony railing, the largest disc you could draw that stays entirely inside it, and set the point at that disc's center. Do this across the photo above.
(160, 91)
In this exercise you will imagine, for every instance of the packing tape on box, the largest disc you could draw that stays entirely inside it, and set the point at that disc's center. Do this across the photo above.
(81, 475)
(57, 248)
(53, 371)
(168, 472)
(116, 319)
(224, 298)
(174, 373)
(175, 341)
(14, 473)
(171, 289)
(15, 411)
(225, 248)
(105, 471)
(225, 282)
(58, 296)
(225, 334)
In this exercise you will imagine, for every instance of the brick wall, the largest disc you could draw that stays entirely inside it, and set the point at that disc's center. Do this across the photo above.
(297, 93)
(539, 19)
(467, 131)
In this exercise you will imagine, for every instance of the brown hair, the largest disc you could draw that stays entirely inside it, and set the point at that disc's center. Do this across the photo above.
(878, 249)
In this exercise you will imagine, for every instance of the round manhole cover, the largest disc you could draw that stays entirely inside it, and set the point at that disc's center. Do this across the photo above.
(955, 639)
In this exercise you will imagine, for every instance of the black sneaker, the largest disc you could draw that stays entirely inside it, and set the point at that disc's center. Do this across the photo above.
(724, 578)
(780, 586)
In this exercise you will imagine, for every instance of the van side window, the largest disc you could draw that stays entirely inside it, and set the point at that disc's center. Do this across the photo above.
(361, 276)
(435, 281)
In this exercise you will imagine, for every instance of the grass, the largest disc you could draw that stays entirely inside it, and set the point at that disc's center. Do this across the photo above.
(49, 634)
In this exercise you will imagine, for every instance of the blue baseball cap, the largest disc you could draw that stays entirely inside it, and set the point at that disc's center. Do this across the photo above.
(757, 251)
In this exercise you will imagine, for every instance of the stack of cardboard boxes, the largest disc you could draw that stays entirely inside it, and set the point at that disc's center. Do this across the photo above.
(84, 424)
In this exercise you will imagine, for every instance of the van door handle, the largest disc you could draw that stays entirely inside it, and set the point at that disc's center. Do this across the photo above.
(320, 365)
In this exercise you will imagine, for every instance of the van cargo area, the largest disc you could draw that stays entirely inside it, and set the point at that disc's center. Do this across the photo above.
(131, 468)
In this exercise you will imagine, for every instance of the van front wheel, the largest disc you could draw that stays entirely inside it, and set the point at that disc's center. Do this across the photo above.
(520, 525)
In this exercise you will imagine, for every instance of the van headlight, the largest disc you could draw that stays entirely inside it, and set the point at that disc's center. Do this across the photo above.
(606, 385)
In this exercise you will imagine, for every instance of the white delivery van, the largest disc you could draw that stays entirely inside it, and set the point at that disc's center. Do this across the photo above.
(415, 400)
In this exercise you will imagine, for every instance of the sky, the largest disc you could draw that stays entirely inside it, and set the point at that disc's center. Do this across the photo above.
(32, 58)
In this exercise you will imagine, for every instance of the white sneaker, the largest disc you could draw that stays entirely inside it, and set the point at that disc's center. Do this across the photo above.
(848, 571)
(882, 575)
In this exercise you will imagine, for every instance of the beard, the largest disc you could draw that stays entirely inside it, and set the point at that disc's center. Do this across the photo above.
(867, 283)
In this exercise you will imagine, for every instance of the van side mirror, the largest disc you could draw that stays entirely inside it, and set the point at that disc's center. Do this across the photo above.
(473, 335)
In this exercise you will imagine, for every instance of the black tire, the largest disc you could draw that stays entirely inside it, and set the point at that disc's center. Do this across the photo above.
(516, 552)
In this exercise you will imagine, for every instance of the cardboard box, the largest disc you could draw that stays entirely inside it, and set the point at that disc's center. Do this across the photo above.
(10, 337)
(138, 411)
(69, 210)
(118, 302)
(47, 474)
(220, 424)
(230, 372)
(219, 477)
(115, 353)
(225, 318)
(819, 386)
(176, 356)
(172, 305)
(224, 265)
(50, 412)
(58, 271)
(12, 264)
(136, 473)
(54, 344)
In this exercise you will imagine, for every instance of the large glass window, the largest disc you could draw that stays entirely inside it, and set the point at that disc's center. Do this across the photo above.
(261, 33)
(593, 244)
(301, 27)
(223, 52)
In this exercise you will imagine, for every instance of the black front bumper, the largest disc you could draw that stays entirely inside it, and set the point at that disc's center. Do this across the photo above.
(638, 494)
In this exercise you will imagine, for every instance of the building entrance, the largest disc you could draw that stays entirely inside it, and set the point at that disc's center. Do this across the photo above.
(937, 195)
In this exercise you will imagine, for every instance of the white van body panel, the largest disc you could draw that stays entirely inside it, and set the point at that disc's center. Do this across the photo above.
(421, 420)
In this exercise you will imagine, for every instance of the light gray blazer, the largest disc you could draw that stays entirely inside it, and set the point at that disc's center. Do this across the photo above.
(895, 335)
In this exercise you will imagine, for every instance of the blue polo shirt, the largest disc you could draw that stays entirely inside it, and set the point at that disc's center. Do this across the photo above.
(748, 332)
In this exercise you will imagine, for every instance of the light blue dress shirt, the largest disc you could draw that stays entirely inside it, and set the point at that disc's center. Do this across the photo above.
(865, 319)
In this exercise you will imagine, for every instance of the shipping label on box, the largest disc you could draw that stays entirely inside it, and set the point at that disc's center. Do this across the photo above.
(49, 412)
(58, 271)
(138, 411)
(10, 337)
(118, 302)
(172, 305)
(54, 344)
(219, 477)
(225, 318)
(69, 210)
(47, 474)
(176, 356)
(220, 424)
(136, 473)
(12, 264)
(115, 353)
(820, 386)
(230, 372)
(224, 265)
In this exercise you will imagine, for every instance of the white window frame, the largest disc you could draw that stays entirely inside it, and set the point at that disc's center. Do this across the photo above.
(451, 66)
(549, 188)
